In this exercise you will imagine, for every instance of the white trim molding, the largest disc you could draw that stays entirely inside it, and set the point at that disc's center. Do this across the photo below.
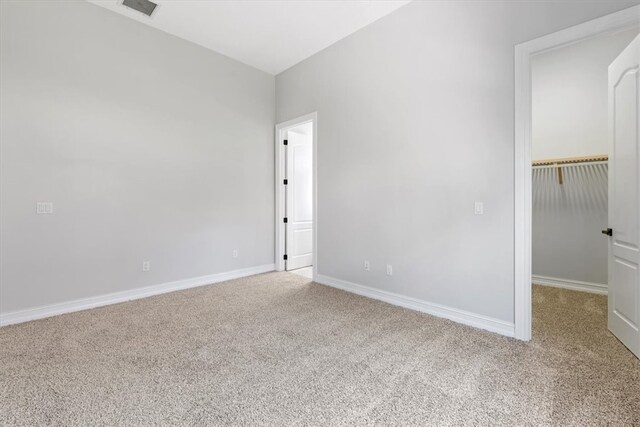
(26, 315)
(573, 285)
(280, 165)
(460, 316)
(619, 21)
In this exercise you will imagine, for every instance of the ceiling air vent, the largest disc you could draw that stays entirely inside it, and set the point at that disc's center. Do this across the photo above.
(145, 6)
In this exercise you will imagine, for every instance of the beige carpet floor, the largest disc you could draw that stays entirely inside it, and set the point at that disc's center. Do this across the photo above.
(275, 349)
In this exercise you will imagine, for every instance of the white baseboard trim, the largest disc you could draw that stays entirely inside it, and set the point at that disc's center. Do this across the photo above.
(21, 316)
(574, 285)
(465, 317)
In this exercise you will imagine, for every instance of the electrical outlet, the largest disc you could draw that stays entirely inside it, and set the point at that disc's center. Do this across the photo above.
(44, 208)
(479, 208)
(146, 266)
(235, 253)
(367, 266)
(389, 270)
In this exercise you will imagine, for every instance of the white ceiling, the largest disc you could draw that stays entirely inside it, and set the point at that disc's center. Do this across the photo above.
(271, 35)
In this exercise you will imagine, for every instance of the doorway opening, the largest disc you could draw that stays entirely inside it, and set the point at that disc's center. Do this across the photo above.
(570, 174)
(566, 161)
(296, 208)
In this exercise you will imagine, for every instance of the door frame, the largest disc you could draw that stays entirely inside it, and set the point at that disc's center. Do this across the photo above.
(620, 21)
(281, 129)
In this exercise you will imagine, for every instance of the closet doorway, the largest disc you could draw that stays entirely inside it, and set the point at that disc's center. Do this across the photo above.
(623, 20)
(296, 219)
(585, 182)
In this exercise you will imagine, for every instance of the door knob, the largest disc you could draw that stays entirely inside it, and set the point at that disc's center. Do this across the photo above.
(608, 232)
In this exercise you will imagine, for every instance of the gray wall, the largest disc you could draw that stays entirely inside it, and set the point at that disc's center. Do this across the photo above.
(415, 123)
(570, 97)
(150, 147)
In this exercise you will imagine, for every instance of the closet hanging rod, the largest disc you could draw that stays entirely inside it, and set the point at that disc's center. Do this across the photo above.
(557, 163)
(571, 160)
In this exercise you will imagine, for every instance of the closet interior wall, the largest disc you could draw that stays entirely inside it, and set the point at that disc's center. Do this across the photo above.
(567, 221)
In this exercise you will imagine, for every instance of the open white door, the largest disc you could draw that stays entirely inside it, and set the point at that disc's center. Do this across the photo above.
(299, 198)
(624, 198)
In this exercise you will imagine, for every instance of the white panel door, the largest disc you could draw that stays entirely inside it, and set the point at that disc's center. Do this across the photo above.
(624, 198)
(299, 205)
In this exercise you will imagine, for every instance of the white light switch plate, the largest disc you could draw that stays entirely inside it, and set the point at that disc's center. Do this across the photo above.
(44, 208)
(479, 208)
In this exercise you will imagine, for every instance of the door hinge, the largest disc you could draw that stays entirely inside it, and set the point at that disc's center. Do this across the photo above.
(286, 181)
(286, 220)
(285, 257)
(286, 142)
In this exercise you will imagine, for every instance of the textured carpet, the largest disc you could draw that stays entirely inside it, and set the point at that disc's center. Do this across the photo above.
(275, 349)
